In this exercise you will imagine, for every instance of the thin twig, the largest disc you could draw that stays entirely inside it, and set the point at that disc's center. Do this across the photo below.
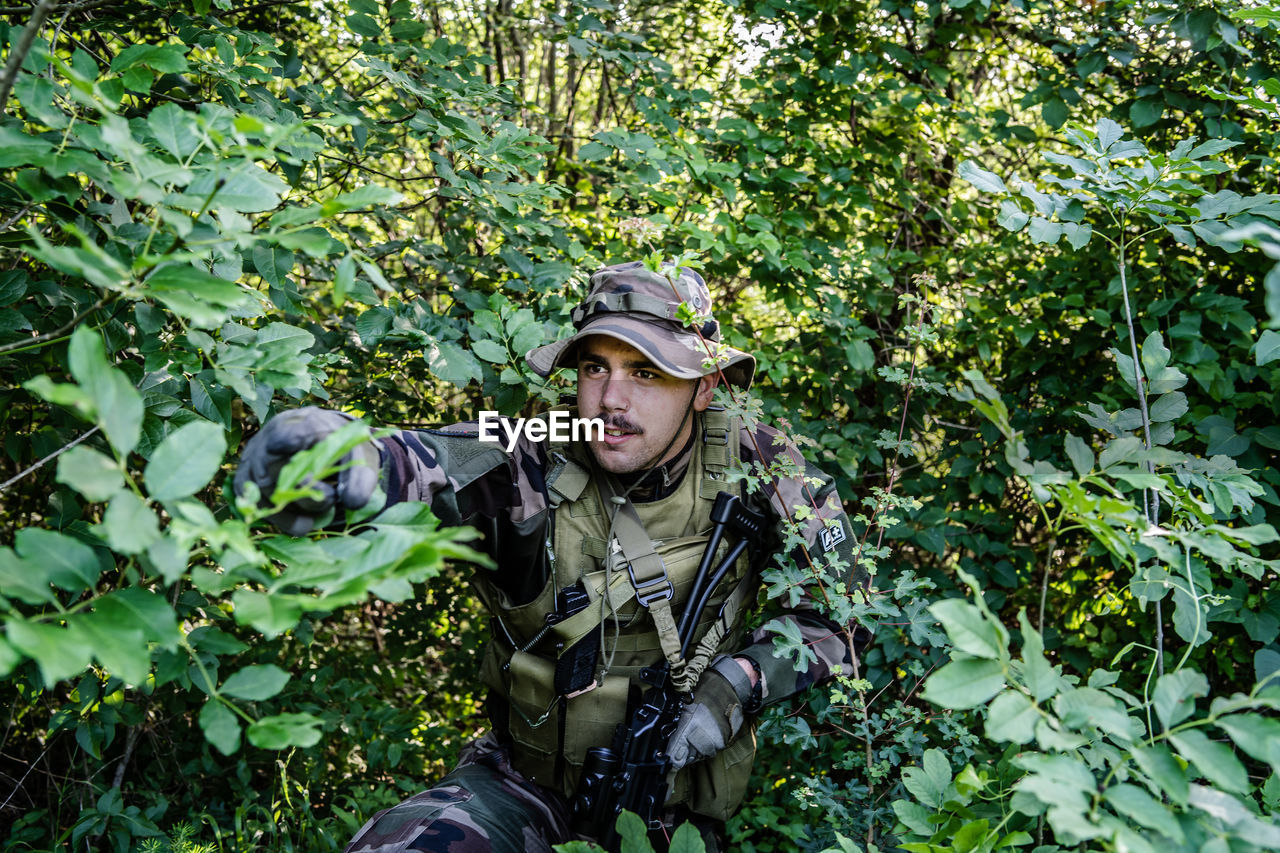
(8, 223)
(130, 741)
(54, 455)
(58, 332)
(20, 50)
(18, 787)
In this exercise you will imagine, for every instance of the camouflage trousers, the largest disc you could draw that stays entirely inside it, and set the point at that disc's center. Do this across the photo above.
(484, 804)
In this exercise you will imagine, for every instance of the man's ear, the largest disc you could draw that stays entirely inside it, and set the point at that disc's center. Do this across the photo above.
(706, 385)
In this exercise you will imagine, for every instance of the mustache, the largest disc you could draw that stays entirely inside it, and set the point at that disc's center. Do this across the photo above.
(621, 423)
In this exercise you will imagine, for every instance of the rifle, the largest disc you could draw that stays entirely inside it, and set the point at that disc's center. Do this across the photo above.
(631, 774)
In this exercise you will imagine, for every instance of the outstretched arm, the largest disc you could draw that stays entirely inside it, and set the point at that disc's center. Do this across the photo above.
(821, 543)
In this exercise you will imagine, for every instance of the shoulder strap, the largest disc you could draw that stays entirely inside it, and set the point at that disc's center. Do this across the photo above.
(647, 572)
(719, 446)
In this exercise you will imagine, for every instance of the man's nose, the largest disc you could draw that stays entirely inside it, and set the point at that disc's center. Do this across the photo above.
(613, 396)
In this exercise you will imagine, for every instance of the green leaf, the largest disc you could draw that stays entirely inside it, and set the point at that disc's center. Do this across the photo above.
(274, 263)
(368, 195)
(1164, 770)
(169, 558)
(407, 30)
(1039, 677)
(285, 730)
(687, 839)
(633, 833)
(1107, 133)
(1175, 695)
(363, 25)
(220, 726)
(344, 275)
(256, 683)
(1211, 148)
(18, 580)
(1055, 112)
(186, 460)
(1215, 761)
(1155, 355)
(246, 188)
(59, 653)
(129, 525)
(54, 558)
(94, 475)
(118, 643)
(1237, 817)
(1012, 717)
(117, 403)
(1080, 454)
(1169, 407)
(491, 351)
(174, 128)
(1044, 231)
(21, 149)
(593, 151)
(315, 241)
(185, 279)
(269, 614)
(983, 180)
(1011, 217)
(143, 608)
(929, 782)
(968, 630)
(964, 683)
(1257, 735)
(9, 657)
(1146, 111)
(1077, 235)
(1267, 349)
(1143, 809)
(453, 364)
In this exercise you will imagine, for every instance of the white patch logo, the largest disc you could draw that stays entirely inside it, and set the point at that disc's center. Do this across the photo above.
(832, 536)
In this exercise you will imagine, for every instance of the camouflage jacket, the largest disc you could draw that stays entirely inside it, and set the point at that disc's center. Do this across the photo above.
(504, 496)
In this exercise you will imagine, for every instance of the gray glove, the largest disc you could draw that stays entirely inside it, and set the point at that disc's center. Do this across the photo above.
(292, 432)
(714, 717)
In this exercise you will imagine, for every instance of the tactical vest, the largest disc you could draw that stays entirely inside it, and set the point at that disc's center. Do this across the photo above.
(551, 733)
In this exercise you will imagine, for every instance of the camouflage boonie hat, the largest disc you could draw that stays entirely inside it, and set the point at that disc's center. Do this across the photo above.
(637, 306)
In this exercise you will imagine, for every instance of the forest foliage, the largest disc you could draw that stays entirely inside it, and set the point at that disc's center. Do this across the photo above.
(1010, 270)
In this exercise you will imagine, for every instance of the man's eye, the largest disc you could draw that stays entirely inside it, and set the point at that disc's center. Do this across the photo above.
(593, 369)
(646, 374)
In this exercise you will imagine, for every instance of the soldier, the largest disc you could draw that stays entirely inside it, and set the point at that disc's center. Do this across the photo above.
(572, 621)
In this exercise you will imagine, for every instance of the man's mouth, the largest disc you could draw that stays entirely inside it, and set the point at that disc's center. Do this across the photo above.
(616, 434)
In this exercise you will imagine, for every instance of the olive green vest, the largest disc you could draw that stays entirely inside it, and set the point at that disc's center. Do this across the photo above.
(551, 734)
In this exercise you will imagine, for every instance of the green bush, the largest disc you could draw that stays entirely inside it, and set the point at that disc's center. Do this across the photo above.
(210, 213)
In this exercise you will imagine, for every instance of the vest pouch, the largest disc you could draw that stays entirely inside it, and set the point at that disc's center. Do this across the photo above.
(718, 785)
(591, 719)
(533, 719)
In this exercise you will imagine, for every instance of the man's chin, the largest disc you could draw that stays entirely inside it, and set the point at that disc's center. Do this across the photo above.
(613, 461)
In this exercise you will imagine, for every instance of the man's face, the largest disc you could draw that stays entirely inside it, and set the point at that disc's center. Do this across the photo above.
(642, 407)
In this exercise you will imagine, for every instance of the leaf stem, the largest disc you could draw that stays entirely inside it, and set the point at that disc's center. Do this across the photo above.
(1149, 500)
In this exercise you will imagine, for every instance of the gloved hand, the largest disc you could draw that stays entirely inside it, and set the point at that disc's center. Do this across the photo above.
(292, 432)
(715, 716)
